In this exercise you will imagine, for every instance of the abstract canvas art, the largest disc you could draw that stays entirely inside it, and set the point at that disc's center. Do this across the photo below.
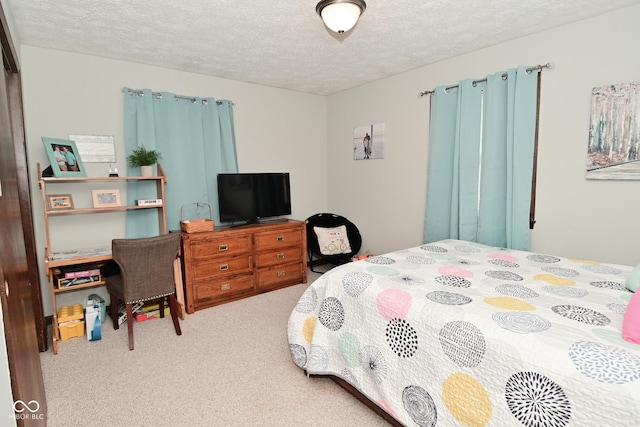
(614, 132)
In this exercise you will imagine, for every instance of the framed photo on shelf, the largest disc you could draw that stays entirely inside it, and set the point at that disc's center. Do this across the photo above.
(59, 202)
(106, 198)
(64, 158)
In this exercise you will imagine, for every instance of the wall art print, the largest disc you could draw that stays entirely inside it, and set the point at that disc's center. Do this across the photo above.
(96, 148)
(368, 142)
(614, 132)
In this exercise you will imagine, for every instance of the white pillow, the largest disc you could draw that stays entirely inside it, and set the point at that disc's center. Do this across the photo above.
(333, 241)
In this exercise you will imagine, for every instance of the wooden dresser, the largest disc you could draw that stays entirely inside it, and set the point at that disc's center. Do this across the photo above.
(232, 263)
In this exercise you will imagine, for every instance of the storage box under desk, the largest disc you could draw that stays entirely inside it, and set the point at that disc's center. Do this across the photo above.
(71, 321)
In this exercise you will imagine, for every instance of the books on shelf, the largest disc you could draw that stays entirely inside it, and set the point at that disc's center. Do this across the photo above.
(151, 310)
(65, 283)
(141, 311)
(81, 273)
(141, 316)
(122, 311)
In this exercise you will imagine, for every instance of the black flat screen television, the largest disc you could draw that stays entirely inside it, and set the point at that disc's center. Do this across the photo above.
(249, 197)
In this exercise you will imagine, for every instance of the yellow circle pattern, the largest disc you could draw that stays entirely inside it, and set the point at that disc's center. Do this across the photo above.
(467, 400)
(554, 280)
(510, 303)
(583, 261)
(308, 328)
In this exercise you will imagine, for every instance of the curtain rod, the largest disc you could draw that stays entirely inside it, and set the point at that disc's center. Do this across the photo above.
(548, 65)
(158, 95)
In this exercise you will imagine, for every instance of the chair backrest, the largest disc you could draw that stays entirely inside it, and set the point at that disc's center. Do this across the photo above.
(330, 220)
(146, 265)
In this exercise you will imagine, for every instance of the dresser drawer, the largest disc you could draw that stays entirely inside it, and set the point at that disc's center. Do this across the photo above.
(286, 255)
(223, 246)
(223, 288)
(216, 267)
(274, 277)
(278, 239)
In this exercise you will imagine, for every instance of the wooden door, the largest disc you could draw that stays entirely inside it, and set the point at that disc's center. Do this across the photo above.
(18, 274)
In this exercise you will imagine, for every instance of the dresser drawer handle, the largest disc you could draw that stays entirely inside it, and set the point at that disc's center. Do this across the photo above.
(280, 256)
(279, 238)
(223, 247)
(225, 287)
(281, 273)
(224, 267)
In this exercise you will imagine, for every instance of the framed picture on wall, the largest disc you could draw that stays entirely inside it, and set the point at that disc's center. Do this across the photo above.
(614, 147)
(106, 198)
(368, 142)
(96, 148)
(64, 158)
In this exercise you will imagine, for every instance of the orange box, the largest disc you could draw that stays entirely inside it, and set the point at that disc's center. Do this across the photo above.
(71, 321)
(72, 329)
(69, 313)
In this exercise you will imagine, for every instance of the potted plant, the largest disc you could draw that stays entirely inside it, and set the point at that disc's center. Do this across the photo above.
(145, 159)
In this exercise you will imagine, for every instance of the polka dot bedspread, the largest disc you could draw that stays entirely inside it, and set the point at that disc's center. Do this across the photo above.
(455, 333)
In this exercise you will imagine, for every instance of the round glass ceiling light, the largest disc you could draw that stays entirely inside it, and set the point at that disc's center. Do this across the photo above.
(340, 15)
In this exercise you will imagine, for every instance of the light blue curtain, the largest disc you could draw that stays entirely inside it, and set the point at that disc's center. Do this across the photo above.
(482, 139)
(196, 139)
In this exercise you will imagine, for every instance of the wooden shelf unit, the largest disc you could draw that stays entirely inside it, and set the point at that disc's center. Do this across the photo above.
(55, 260)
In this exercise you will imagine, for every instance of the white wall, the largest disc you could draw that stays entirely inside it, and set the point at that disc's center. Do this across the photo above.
(66, 93)
(575, 217)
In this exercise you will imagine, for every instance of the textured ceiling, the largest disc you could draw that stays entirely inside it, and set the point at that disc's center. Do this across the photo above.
(284, 43)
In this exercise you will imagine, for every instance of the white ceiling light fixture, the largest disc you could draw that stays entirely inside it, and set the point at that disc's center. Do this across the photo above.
(340, 15)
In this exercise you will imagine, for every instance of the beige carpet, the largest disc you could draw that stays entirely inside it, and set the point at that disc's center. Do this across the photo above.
(230, 367)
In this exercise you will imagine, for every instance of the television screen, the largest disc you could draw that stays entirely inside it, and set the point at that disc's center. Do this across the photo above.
(248, 197)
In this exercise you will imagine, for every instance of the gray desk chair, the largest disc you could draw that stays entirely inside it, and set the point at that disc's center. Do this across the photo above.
(145, 273)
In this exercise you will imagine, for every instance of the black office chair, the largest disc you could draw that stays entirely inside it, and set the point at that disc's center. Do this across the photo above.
(321, 228)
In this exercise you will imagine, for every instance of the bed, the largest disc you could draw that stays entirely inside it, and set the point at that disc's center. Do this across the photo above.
(456, 333)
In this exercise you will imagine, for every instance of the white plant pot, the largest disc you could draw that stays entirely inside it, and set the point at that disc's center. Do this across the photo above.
(146, 170)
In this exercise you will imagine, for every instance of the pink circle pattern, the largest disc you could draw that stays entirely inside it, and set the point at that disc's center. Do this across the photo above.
(393, 303)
